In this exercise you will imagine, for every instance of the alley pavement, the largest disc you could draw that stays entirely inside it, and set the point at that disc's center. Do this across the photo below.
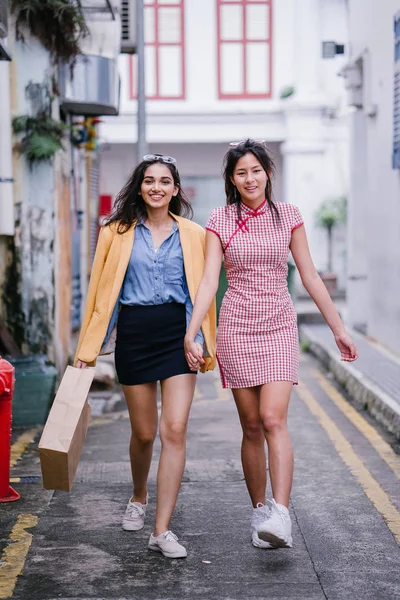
(373, 381)
(345, 509)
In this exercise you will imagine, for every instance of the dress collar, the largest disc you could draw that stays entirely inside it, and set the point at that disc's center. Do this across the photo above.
(248, 210)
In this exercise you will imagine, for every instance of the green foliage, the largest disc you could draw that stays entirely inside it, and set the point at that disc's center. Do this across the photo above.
(305, 346)
(286, 92)
(58, 24)
(11, 294)
(42, 136)
(332, 213)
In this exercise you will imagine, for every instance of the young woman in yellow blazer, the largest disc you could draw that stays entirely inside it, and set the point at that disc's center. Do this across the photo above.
(147, 268)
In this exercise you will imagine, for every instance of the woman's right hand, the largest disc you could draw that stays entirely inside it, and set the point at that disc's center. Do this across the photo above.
(81, 365)
(193, 354)
(347, 347)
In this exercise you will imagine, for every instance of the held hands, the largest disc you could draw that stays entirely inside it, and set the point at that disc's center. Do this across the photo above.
(347, 347)
(193, 354)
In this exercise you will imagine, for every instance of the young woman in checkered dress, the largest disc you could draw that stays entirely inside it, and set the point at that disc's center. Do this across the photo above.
(257, 347)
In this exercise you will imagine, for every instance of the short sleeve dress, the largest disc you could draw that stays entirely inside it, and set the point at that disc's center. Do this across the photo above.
(257, 333)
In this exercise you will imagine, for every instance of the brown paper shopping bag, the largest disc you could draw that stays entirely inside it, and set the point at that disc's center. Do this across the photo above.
(64, 434)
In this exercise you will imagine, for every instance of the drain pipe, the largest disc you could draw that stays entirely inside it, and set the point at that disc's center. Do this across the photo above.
(6, 178)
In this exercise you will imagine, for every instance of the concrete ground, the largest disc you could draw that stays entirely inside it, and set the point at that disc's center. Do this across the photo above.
(345, 509)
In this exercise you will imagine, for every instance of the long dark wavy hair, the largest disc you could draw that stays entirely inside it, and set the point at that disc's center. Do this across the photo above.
(129, 205)
(230, 160)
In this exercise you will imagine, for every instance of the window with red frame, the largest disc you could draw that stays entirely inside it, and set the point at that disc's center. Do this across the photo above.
(244, 48)
(164, 51)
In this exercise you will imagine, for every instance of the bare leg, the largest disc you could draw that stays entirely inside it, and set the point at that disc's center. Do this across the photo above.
(253, 442)
(274, 404)
(177, 395)
(142, 407)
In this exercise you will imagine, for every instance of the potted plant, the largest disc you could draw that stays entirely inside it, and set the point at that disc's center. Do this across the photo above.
(330, 214)
(58, 24)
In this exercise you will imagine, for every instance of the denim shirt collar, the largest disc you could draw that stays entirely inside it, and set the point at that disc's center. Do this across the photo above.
(140, 222)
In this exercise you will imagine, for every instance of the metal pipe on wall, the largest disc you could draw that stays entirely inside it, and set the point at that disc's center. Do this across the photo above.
(6, 177)
(141, 94)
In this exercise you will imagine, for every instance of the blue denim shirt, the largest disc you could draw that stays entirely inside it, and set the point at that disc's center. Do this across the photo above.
(155, 277)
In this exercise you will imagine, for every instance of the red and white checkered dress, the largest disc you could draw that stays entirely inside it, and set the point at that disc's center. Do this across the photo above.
(257, 332)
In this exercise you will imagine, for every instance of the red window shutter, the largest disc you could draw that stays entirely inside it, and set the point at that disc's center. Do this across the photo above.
(244, 48)
(165, 52)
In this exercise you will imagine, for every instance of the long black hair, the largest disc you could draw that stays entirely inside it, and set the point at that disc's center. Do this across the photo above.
(129, 205)
(230, 160)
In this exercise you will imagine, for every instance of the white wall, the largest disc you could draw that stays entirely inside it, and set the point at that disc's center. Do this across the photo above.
(308, 132)
(201, 62)
(211, 119)
(376, 204)
(38, 312)
(119, 160)
(334, 27)
(34, 211)
(200, 167)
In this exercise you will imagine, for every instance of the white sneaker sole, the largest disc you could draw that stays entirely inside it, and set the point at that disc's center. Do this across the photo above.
(275, 540)
(257, 543)
(178, 554)
(131, 527)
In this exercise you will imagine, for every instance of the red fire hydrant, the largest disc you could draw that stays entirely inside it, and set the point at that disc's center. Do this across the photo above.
(7, 379)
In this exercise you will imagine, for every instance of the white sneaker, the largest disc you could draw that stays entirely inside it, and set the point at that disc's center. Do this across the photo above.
(167, 543)
(134, 516)
(277, 529)
(260, 514)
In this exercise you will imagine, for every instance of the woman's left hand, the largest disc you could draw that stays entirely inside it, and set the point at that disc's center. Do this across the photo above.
(347, 347)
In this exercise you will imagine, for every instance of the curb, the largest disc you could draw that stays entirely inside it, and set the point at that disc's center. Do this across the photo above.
(365, 394)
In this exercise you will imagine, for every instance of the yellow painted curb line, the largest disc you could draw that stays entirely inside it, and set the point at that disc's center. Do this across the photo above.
(111, 417)
(21, 444)
(14, 555)
(384, 450)
(371, 487)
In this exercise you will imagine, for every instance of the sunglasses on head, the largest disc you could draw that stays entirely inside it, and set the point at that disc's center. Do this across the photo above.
(234, 144)
(161, 158)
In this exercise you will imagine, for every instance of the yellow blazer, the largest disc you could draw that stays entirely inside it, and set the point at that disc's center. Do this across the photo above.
(110, 263)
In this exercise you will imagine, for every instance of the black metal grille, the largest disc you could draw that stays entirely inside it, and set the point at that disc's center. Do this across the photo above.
(3, 17)
(94, 202)
(125, 20)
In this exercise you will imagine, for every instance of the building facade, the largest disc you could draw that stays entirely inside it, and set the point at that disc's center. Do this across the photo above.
(49, 208)
(219, 71)
(372, 80)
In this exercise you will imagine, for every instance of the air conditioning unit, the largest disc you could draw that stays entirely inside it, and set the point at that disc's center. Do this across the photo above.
(3, 18)
(128, 26)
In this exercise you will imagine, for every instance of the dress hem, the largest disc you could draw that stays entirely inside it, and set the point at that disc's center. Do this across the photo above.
(225, 385)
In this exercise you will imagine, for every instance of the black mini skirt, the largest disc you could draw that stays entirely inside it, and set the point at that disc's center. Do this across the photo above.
(149, 344)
